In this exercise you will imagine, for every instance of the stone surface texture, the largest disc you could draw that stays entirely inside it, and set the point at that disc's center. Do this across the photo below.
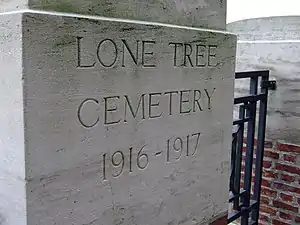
(195, 13)
(12, 149)
(273, 44)
(89, 130)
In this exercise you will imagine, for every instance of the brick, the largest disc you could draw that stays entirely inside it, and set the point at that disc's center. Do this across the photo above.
(285, 187)
(288, 168)
(269, 210)
(264, 200)
(287, 178)
(284, 206)
(286, 198)
(268, 192)
(263, 218)
(269, 174)
(297, 219)
(244, 149)
(267, 164)
(277, 222)
(260, 222)
(267, 144)
(242, 184)
(271, 154)
(265, 183)
(285, 216)
(288, 148)
(243, 157)
(243, 166)
(290, 158)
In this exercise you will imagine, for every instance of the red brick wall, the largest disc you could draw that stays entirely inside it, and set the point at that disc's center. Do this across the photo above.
(280, 193)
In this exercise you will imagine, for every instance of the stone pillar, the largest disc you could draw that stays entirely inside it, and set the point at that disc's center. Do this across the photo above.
(123, 120)
(273, 44)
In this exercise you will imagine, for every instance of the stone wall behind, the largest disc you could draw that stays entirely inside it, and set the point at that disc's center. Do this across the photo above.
(273, 44)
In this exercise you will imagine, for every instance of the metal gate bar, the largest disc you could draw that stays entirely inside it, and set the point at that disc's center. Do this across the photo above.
(244, 202)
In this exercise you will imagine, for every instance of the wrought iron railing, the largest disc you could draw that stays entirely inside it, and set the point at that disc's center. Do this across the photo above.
(248, 140)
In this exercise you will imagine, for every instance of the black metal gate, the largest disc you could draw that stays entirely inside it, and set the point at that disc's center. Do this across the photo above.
(248, 135)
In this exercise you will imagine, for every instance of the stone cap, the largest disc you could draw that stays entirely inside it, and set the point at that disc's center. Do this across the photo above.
(194, 13)
(267, 28)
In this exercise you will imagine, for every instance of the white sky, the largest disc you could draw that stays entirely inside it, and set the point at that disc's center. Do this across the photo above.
(245, 9)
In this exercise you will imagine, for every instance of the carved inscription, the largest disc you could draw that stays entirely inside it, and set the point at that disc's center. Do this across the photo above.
(194, 55)
(136, 159)
(120, 108)
(110, 52)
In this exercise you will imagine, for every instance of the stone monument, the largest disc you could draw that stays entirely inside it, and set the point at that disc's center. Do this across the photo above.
(108, 118)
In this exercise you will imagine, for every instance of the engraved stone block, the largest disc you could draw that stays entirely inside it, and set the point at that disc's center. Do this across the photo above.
(109, 122)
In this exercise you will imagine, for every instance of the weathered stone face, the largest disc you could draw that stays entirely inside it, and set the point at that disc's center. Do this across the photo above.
(123, 122)
(273, 44)
(196, 13)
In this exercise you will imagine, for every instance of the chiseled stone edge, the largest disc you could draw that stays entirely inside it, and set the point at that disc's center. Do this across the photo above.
(12, 140)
